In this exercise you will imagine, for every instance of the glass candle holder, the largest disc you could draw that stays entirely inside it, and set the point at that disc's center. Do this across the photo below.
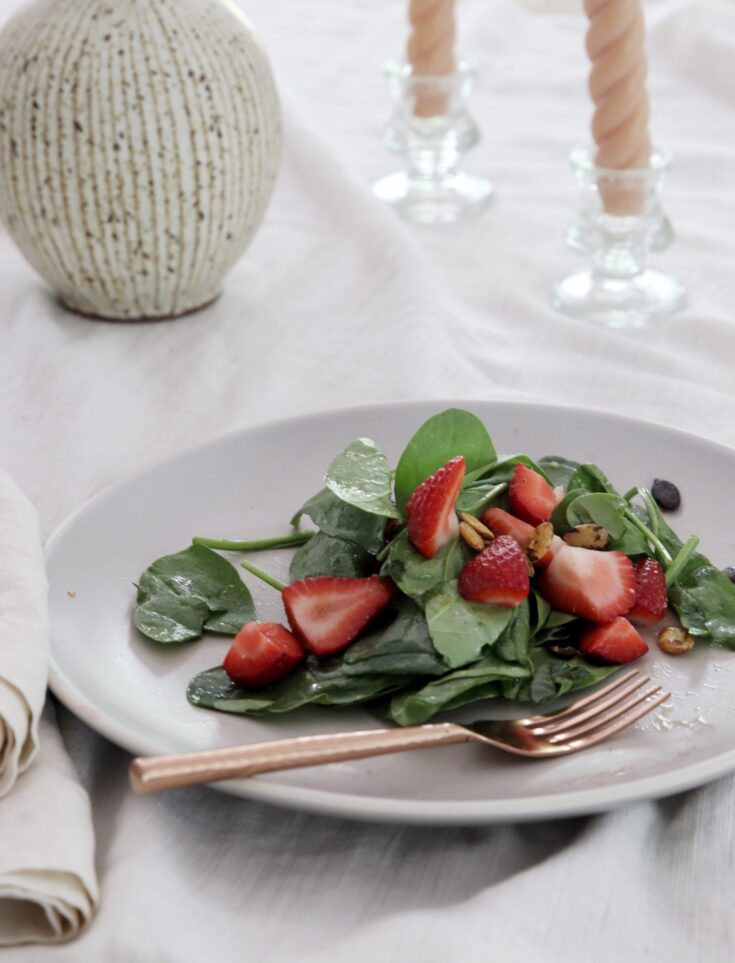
(580, 234)
(622, 217)
(431, 128)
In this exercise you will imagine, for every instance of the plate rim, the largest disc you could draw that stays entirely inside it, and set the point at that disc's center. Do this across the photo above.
(384, 808)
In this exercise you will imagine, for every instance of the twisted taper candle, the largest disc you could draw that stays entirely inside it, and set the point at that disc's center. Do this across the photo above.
(617, 85)
(430, 49)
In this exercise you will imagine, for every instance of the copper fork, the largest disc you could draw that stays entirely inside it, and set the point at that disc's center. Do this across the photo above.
(581, 724)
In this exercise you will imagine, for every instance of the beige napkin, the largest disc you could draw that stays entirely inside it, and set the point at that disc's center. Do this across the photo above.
(23, 633)
(48, 888)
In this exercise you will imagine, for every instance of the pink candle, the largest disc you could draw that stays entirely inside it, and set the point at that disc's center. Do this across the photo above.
(617, 84)
(430, 49)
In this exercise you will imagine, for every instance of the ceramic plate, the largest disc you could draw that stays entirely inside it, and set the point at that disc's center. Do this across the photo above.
(249, 484)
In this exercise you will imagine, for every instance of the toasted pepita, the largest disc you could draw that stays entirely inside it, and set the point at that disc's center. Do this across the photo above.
(540, 542)
(587, 536)
(477, 525)
(470, 536)
(674, 641)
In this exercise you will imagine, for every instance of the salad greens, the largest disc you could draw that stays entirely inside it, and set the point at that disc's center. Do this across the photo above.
(432, 649)
(340, 519)
(181, 596)
(327, 555)
(446, 435)
(360, 476)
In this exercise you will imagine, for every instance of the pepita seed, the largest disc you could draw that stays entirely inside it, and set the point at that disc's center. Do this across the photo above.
(587, 536)
(470, 536)
(540, 541)
(674, 641)
(477, 525)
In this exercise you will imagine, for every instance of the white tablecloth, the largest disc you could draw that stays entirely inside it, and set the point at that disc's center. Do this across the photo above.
(339, 302)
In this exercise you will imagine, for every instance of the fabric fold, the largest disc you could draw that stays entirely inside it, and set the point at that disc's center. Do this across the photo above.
(48, 889)
(23, 632)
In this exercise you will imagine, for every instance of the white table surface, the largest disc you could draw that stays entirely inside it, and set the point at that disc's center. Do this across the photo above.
(338, 302)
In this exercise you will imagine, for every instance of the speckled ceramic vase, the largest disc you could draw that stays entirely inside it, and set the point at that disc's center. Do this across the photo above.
(139, 144)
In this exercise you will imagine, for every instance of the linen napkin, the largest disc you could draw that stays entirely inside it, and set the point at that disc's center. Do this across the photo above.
(23, 632)
(48, 889)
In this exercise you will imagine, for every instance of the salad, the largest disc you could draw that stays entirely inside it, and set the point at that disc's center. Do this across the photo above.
(461, 576)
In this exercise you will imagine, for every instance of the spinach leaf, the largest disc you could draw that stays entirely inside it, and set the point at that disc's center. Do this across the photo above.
(580, 481)
(312, 683)
(477, 497)
(702, 596)
(514, 642)
(417, 576)
(559, 628)
(558, 470)
(360, 475)
(214, 689)
(502, 470)
(591, 478)
(600, 508)
(631, 542)
(704, 599)
(404, 648)
(444, 436)
(463, 631)
(489, 482)
(540, 612)
(470, 684)
(534, 623)
(326, 555)
(181, 596)
(559, 515)
(335, 517)
(553, 677)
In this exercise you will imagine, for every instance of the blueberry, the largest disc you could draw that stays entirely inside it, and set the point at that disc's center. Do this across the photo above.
(665, 494)
(730, 572)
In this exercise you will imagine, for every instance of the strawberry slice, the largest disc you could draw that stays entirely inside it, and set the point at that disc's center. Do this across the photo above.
(651, 599)
(617, 641)
(531, 497)
(499, 574)
(594, 585)
(503, 523)
(327, 613)
(262, 653)
(432, 520)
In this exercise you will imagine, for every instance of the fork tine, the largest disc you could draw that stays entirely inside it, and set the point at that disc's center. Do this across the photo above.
(573, 716)
(600, 734)
(580, 703)
(608, 715)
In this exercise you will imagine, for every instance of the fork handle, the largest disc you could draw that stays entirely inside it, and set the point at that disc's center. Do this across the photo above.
(155, 773)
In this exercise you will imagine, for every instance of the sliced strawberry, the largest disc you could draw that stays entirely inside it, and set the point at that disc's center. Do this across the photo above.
(594, 585)
(503, 523)
(432, 520)
(328, 613)
(531, 497)
(617, 641)
(651, 599)
(262, 653)
(499, 574)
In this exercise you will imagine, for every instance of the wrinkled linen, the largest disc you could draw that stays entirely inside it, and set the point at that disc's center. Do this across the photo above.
(48, 888)
(23, 632)
(47, 878)
(338, 302)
